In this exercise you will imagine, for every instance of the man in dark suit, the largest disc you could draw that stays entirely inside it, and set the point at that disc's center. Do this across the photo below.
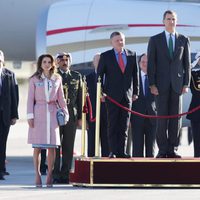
(92, 90)
(72, 86)
(169, 78)
(9, 99)
(118, 68)
(143, 129)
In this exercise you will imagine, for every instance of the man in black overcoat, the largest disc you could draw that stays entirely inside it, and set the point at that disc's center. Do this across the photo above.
(9, 99)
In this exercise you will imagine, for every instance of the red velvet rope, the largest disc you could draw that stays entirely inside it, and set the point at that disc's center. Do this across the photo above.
(151, 116)
(85, 110)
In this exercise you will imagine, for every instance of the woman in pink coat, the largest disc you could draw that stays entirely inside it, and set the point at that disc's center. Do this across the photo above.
(45, 91)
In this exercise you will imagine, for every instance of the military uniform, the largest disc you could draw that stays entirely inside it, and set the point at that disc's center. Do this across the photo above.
(72, 86)
(195, 116)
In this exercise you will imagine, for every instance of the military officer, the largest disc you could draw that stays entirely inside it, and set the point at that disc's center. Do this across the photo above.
(72, 86)
(195, 101)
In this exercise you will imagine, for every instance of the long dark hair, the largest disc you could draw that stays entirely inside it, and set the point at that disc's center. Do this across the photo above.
(39, 70)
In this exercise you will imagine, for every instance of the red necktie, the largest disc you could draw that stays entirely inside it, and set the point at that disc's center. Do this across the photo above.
(121, 62)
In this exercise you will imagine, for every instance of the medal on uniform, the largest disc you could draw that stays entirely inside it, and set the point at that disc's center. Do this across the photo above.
(196, 80)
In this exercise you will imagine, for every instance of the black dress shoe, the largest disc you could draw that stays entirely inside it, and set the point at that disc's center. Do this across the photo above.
(5, 173)
(64, 180)
(123, 156)
(112, 155)
(173, 155)
(1, 177)
(160, 155)
(56, 181)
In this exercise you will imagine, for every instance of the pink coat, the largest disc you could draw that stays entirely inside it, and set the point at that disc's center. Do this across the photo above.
(41, 106)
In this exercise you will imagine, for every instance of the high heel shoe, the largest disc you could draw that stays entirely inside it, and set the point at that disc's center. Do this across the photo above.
(49, 185)
(38, 186)
(49, 181)
(38, 182)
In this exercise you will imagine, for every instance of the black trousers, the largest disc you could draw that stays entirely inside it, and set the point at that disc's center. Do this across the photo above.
(167, 130)
(67, 134)
(196, 137)
(143, 137)
(118, 124)
(4, 130)
(43, 165)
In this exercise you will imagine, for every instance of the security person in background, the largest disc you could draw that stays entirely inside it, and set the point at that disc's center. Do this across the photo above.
(92, 90)
(143, 129)
(72, 86)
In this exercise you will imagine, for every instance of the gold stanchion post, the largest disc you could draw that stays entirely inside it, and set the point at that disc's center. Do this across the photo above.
(98, 107)
(84, 90)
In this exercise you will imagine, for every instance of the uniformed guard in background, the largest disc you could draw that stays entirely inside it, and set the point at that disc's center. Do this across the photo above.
(72, 86)
(195, 101)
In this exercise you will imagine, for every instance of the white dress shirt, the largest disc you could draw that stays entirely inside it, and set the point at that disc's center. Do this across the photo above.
(167, 34)
(143, 80)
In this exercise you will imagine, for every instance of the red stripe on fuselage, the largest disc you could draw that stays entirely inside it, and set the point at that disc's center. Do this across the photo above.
(81, 28)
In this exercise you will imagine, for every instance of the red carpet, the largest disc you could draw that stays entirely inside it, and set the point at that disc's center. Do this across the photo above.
(136, 172)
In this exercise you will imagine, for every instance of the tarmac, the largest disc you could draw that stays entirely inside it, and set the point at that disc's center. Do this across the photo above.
(20, 183)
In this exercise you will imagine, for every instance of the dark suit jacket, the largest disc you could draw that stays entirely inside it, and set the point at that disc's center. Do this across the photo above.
(9, 96)
(144, 105)
(195, 101)
(118, 85)
(141, 126)
(91, 85)
(164, 71)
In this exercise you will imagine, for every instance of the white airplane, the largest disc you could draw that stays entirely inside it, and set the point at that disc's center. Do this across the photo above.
(19, 18)
(83, 27)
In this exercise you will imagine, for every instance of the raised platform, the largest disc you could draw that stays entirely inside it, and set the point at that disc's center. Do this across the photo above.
(136, 172)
